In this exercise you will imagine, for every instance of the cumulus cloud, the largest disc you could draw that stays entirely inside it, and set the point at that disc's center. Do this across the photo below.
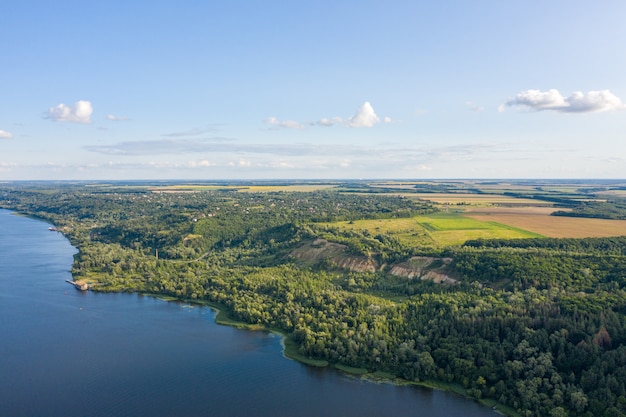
(577, 102)
(289, 124)
(80, 112)
(114, 118)
(365, 116)
(5, 135)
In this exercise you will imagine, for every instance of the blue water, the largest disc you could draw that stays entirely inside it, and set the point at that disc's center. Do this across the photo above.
(68, 353)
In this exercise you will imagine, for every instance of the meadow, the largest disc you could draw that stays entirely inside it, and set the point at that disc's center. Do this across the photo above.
(440, 230)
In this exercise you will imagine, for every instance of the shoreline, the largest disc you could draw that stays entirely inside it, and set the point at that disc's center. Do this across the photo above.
(290, 348)
(290, 351)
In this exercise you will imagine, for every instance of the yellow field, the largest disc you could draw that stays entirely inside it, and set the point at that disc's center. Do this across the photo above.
(538, 219)
(243, 188)
(476, 199)
(285, 188)
(614, 193)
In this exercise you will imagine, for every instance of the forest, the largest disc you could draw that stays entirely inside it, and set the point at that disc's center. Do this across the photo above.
(534, 327)
(614, 208)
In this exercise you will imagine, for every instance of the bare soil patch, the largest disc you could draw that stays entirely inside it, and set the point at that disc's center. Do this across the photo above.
(538, 220)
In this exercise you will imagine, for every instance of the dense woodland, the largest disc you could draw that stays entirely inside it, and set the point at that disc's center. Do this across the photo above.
(611, 209)
(538, 325)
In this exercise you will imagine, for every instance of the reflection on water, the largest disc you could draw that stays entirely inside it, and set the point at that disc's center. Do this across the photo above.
(68, 353)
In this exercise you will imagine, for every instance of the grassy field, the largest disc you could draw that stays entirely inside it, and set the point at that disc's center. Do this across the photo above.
(407, 231)
(454, 229)
(538, 219)
(437, 229)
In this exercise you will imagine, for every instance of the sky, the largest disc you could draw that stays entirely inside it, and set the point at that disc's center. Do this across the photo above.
(321, 89)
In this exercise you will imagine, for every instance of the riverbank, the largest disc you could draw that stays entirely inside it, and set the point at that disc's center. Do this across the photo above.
(291, 348)
(291, 351)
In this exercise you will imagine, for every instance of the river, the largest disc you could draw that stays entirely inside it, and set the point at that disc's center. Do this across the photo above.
(68, 353)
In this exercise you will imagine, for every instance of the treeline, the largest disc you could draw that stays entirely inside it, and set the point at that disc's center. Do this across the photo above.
(614, 209)
(590, 246)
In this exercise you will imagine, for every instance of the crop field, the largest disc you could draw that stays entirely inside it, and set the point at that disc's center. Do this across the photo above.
(476, 199)
(614, 193)
(436, 230)
(454, 229)
(538, 219)
(244, 188)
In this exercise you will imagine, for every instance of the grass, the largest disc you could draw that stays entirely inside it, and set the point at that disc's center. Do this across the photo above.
(442, 229)
(501, 408)
(350, 369)
(291, 351)
(455, 229)
(449, 222)
(406, 230)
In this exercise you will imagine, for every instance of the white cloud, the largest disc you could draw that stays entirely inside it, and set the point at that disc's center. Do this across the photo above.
(201, 164)
(114, 118)
(7, 166)
(5, 135)
(594, 101)
(365, 116)
(79, 113)
(578, 102)
(473, 106)
(240, 163)
(289, 124)
(328, 122)
(345, 163)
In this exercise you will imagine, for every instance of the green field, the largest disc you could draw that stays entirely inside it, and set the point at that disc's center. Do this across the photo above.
(455, 229)
(436, 230)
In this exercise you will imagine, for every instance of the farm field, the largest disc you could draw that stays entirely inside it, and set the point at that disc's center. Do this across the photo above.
(245, 188)
(436, 230)
(538, 219)
(476, 199)
(614, 193)
(455, 229)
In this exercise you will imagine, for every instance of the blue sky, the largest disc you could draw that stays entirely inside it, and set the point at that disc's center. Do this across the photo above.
(312, 89)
